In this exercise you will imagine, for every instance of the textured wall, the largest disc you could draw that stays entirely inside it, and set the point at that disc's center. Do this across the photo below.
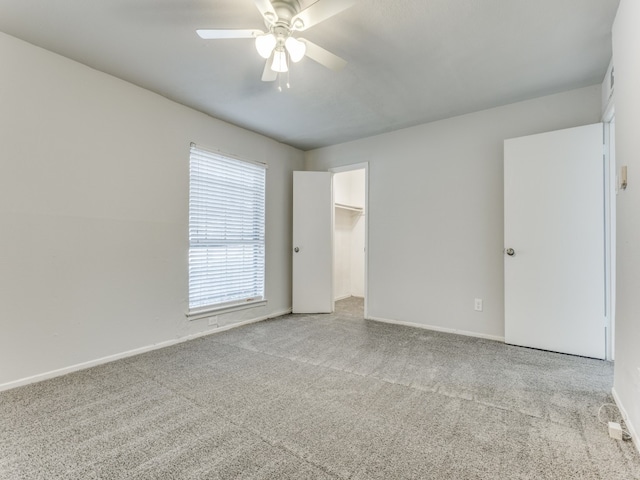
(436, 209)
(94, 177)
(626, 45)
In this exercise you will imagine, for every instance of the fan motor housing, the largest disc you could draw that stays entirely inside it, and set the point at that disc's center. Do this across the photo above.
(286, 10)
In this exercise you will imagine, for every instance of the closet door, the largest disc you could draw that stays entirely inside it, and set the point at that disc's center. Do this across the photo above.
(312, 290)
(554, 241)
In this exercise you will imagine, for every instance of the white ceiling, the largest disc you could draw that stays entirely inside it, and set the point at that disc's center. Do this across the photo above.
(410, 61)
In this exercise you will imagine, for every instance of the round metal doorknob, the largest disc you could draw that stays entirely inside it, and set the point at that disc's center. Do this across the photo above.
(510, 251)
(296, 249)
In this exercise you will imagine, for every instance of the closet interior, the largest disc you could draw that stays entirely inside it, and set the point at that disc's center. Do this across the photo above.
(349, 234)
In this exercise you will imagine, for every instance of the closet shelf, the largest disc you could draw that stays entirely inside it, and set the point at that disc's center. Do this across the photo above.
(353, 209)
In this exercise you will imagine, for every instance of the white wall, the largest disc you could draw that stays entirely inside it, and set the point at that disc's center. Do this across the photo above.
(349, 234)
(436, 209)
(93, 209)
(358, 256)
(626, 45)
(343, 225)
(358, 179)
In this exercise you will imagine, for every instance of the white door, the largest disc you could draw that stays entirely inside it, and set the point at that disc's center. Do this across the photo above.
(554, 229)
(312, 242)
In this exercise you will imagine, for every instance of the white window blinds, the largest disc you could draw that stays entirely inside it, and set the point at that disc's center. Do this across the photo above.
(226, 230)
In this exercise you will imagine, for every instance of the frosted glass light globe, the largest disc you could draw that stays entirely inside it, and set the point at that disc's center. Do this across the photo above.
(296, 49)
(265, 44)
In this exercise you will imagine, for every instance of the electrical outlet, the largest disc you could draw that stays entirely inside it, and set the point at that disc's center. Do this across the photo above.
(478, 305)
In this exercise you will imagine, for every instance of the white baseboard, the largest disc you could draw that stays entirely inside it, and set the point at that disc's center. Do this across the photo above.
(623, 412)
(438, 329)
(131, 353)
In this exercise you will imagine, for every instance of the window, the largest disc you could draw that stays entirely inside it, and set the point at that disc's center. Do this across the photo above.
(226, 231)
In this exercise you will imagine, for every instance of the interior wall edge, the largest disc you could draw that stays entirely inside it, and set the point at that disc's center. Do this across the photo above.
(626, 43)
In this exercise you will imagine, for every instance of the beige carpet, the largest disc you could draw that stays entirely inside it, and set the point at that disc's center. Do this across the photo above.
(319, 397)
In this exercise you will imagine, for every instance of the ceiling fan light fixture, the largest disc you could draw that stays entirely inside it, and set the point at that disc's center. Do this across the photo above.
(265, 44)
(282, 19)
(296, 49)
(280, 62)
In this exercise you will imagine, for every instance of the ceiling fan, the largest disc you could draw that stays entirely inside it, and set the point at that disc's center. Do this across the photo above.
(278, 45)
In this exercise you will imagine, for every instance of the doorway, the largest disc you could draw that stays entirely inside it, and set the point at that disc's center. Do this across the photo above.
(349, 239)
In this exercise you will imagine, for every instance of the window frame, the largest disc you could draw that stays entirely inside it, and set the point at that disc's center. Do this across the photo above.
(207, 310)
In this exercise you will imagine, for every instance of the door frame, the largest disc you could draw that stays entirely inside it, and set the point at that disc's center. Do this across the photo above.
(610, 198)
(349, 168)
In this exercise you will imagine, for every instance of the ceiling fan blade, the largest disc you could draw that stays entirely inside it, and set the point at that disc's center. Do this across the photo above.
(217, 34)
(269, 75)
(319, 11)
(323, 57)
(267, 10)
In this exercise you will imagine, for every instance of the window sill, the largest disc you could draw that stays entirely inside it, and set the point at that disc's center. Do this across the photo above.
(197, 314)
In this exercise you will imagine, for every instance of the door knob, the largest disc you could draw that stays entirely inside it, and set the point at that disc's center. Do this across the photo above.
(510, 251)
(296, 249)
